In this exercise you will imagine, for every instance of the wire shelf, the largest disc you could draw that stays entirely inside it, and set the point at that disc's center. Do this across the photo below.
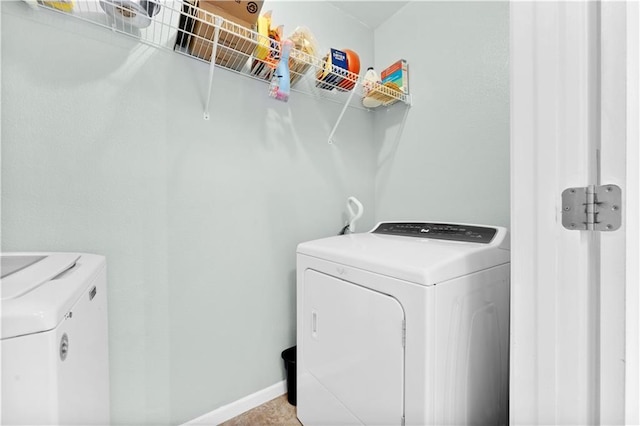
(185, 28)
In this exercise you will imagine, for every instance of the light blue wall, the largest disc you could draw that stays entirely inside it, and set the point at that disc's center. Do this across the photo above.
(447, 157)
(104, 149)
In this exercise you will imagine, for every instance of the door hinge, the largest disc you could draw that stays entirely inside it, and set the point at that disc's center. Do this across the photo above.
(592, 208)
(404, 333)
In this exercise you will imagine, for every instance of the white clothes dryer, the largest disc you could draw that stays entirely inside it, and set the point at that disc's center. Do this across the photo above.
(55, 361)
(405, 324)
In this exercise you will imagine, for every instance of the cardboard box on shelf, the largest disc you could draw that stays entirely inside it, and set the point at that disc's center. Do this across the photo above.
(236, 39)
(247, 11)
(397, 73)
(231, 59)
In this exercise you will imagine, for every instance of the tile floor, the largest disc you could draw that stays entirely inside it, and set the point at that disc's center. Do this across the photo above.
(278, 411)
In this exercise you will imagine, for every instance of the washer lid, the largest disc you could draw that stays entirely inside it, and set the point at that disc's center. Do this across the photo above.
(424, 261)
(24, 273)
(38, 289)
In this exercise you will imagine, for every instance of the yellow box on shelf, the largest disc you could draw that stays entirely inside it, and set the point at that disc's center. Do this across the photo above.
(264, 44)
(63, 5)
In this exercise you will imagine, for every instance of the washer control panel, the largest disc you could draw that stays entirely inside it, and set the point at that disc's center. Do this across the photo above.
(438, 231)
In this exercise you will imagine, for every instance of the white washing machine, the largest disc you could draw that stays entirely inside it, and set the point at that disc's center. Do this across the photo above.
(55, 367)
(405, 324)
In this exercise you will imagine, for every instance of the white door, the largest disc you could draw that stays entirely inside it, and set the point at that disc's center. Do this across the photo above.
(353, 347)
(574, 120)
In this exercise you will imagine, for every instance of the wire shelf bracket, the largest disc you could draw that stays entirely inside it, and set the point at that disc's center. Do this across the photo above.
(212, 65)
(185, 28)
(344, 109)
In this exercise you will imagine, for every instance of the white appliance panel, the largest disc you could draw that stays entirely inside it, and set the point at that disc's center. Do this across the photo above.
(417, 260)
(83, 387)
(54, 345)
(29, 379)
(353, 340)
(472, 349)
(457, 327)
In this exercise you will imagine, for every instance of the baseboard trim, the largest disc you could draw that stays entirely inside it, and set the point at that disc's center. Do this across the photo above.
(229, 411)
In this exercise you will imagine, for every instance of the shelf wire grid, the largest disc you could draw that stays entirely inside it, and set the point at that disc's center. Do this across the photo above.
(182, 26)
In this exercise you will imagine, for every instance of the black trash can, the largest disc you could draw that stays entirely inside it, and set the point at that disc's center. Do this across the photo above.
(289, 357)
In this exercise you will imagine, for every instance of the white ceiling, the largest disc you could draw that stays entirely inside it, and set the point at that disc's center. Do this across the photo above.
(370, 13)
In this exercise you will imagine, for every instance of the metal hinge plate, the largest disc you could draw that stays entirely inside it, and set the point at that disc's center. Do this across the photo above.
(594, 208)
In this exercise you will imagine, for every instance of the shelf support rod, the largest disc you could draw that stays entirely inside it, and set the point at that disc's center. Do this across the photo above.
(212, 64)
(344, 109)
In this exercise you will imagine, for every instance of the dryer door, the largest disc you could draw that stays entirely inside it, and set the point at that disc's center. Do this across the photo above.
(353, 350)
